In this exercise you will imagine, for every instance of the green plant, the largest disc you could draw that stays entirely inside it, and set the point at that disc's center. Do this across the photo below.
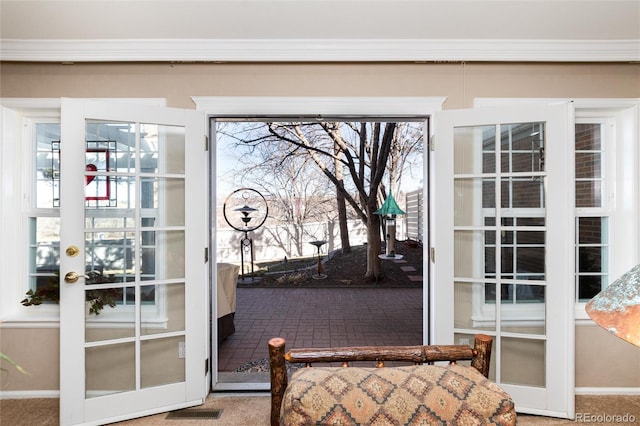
(48, 293)
(97, 299)
(13, 363)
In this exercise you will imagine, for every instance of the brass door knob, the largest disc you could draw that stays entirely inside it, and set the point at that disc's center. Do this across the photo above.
(71, 277)
(72, 251)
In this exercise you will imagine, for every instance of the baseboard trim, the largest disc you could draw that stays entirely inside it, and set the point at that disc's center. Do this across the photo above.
(608, 391)
(56, 393)
(30, 394)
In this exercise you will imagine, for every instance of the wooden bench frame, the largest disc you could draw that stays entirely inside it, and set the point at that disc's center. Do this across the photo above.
(480, 357)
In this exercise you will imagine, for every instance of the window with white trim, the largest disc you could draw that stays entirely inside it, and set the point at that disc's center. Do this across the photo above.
(514, 170)
(522, 244)
(606, 202)
(109, 258)
(42, 212)
(593, 151)
(619, 229)
(593, 147)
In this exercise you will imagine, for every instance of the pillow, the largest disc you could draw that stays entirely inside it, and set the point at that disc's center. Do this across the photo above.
(421, 394)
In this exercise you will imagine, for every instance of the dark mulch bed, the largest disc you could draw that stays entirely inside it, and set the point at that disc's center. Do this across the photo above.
(348, 270)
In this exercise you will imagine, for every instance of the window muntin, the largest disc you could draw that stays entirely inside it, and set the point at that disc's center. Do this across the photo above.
(44, 251)
(592, 217)
(500, 226)
(43, 215)
(520, 254)
(592, 256)
(589, 162)
(111, 237)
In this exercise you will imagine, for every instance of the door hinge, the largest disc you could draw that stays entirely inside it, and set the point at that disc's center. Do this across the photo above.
(432, 143)
(206, 254)
(432, 254)
(206, 143)
(206, 366)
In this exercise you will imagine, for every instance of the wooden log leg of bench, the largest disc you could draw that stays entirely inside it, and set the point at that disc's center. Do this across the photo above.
(278, 371)
(482, 356)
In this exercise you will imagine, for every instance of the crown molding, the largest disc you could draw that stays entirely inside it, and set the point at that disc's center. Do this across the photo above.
(319, 50)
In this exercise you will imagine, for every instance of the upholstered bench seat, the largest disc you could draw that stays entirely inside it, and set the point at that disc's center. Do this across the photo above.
(411, 395)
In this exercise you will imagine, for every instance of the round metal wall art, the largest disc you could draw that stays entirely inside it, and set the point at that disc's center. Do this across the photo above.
(245, 209)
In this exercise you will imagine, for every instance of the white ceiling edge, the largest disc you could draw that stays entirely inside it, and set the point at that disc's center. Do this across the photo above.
(318, 50)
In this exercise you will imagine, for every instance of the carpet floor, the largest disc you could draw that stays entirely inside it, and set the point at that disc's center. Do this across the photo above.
(253, 410)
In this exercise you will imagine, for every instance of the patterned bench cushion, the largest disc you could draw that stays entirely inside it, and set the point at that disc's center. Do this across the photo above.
(413, 395)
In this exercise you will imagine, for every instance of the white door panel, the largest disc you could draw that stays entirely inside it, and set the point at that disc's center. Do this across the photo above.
(503, 223)
(141, 239)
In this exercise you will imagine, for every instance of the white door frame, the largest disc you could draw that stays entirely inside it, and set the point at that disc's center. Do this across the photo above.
(232, 106)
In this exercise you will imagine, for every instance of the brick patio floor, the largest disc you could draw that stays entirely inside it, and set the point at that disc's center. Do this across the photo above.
(321, 317)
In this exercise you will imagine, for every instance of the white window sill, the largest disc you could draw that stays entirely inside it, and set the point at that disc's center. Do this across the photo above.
(525, 316)
(47, 316)
(37, 318)
(512, 315)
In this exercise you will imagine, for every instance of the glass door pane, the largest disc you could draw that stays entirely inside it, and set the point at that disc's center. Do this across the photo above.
(134, 172)
(499, 236)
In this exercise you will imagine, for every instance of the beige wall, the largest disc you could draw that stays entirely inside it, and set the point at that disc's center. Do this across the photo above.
(460, 83)
(601, 360)
(38, 352)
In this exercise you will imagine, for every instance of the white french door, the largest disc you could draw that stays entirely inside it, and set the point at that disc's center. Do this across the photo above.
(133, 233)
(503, 228)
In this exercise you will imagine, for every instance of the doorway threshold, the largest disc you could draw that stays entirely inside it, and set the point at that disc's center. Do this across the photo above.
(242, 382)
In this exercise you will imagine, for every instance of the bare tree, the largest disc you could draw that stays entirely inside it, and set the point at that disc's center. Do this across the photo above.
(370, 152)
(341, 203)
(296, 191)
